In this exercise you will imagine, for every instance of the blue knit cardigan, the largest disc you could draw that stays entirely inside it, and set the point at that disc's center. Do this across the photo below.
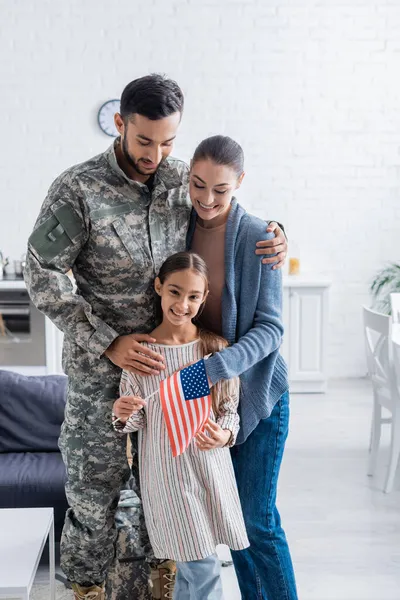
(251, 321)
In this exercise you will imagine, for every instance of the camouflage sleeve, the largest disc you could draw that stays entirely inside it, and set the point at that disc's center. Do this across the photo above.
(60, 232)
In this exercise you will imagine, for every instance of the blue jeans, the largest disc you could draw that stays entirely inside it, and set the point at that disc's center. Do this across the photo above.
(264, 570)
(199, 580)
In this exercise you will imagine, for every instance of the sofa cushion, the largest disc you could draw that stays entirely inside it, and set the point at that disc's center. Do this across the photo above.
(29, 480)
(31, 411)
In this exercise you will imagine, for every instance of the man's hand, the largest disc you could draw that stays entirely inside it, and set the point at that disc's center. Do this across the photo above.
(125, 406)
(278, 246)
(128, 353)
(217, 438)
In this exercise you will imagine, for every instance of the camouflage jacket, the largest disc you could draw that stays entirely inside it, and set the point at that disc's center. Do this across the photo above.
(114, 234)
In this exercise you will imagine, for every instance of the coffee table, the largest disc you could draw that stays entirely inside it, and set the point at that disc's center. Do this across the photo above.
(23, 535)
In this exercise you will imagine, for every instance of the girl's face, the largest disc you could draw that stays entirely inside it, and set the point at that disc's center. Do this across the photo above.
(182, 295)
(211, 189)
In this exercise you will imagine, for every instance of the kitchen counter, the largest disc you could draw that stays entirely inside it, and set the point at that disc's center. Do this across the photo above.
(12, 283)
(305, 316)
(306, 281)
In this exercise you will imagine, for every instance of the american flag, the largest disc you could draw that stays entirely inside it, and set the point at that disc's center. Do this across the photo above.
(186, 404)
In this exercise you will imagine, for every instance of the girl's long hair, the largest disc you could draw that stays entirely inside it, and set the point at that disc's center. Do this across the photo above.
(210, 342)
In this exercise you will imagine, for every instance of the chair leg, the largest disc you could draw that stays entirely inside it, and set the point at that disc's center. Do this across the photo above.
(376, 436)
(371, 435)
(394, 453)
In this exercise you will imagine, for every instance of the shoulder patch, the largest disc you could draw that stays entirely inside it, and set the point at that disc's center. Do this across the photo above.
(56, 233)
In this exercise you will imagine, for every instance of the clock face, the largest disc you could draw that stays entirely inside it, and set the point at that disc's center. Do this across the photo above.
(105, 117)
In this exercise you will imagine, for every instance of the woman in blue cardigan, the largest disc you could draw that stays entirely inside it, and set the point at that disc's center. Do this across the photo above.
(245, 306)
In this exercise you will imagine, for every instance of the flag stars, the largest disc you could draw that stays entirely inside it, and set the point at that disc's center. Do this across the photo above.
(194, 381)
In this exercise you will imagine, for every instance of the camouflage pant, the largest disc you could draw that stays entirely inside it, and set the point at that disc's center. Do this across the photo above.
(128, 576)
(97, 468)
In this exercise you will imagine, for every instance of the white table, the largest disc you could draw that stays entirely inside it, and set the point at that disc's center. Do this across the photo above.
(23, 535)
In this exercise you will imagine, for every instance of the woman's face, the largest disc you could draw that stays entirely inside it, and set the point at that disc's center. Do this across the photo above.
(211, 189)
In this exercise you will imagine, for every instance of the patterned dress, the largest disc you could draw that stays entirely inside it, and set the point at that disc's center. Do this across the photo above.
(191, 502)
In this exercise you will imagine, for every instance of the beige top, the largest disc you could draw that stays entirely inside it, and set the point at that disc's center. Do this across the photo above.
(209, 243)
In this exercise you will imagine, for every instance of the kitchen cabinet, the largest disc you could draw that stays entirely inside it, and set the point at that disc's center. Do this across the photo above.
(305, 316)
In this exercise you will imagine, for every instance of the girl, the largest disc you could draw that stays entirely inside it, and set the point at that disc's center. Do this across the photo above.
(190, 502)
(245, 306)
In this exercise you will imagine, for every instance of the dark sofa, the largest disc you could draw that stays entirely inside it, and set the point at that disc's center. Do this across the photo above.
(32, 472)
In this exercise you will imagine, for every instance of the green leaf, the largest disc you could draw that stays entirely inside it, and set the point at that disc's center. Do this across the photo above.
(385, 282)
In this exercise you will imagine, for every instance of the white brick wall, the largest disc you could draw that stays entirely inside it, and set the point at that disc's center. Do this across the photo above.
(311, 90)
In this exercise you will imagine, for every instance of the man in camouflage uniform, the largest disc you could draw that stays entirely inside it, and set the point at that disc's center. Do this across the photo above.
(112, 220)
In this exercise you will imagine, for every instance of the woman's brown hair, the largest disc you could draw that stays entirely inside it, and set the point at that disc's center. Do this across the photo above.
(210, 342)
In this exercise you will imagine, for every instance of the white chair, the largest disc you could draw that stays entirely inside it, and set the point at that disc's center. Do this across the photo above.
(386, 394)
(395, 304)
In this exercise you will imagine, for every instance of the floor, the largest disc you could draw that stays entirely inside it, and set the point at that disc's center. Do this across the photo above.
(344, 532)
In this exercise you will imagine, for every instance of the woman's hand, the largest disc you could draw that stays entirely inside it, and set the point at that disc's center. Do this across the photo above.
(216, 438)
(125, 406)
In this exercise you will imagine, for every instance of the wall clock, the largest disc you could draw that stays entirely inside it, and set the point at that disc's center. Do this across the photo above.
(105, 117)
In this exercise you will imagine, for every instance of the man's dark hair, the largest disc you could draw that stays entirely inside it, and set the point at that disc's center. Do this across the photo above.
(153, 96)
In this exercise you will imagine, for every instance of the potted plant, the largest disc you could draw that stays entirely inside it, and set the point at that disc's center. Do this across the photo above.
(384, 283)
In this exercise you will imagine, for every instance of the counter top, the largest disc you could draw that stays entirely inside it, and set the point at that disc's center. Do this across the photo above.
(7, 283)
(288, 281)
(396, 333)
(305, 281)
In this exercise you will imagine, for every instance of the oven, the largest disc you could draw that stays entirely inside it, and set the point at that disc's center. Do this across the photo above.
(22, 330)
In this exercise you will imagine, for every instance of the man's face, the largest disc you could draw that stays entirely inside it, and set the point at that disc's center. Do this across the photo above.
(146, 143)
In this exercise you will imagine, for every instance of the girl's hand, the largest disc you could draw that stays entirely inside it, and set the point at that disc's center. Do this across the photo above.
(125, 406)
(216, 438)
